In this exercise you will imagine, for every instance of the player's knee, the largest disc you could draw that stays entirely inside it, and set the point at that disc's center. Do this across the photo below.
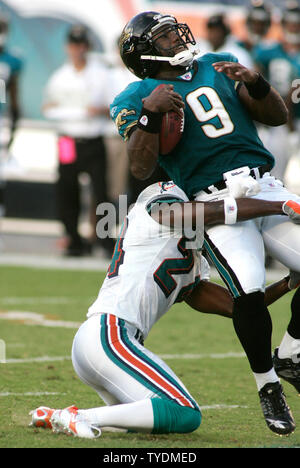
(249, 302)
(169, 417)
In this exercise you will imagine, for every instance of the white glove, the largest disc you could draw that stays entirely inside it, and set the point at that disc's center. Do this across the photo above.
(240, 184)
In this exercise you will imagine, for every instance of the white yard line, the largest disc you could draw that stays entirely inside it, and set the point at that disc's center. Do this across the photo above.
(33, 318)
(6, 394)
(230, 354)
(37, 359)
(221, 406)
(14, 300)
(162, 356)
(54, 262)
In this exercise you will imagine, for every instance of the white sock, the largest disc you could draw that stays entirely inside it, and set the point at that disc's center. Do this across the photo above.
(266, 377)
(288, 347)
(136, 416)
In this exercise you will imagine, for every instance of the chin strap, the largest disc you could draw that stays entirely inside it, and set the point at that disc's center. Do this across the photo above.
(183, 58)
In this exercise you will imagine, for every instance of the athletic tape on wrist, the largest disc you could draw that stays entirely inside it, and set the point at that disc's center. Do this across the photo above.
(260, 89)
(150, 121)
(230, 210)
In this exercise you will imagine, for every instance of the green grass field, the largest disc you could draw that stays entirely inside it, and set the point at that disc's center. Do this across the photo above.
(222, 385)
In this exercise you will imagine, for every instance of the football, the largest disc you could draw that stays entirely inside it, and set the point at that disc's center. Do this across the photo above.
(171, 131)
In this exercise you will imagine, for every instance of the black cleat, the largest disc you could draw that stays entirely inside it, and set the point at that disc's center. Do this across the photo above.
(288, 369)
(275, 409)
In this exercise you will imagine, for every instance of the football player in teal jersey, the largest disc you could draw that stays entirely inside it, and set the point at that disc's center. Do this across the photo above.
(10, 69)
(280, 64)
(211, 105)
(219, 148)
(258, 23)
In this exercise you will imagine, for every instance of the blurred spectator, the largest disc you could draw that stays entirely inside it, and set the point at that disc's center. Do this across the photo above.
(280, 63)
(220, 39)
(10, 69)
(258, 23)
(77, 99)
(118, 168)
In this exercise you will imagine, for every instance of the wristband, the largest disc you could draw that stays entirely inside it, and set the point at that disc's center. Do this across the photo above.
(260, 89)
(230, 210)
(150, 121)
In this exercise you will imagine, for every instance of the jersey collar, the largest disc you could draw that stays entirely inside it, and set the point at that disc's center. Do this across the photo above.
(189, 75)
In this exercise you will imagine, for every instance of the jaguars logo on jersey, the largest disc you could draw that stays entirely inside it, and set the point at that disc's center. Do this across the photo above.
(121, 120)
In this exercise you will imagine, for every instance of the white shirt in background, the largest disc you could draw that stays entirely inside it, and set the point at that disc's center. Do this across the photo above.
(72, 92)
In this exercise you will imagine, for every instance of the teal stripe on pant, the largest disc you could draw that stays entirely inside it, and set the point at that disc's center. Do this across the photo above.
(223, 271)
(134, 372)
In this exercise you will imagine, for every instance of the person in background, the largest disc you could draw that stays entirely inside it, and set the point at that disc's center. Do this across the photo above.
(77, 100)
(279, 62)
(219, 39)
(258, 23)
(10, 70)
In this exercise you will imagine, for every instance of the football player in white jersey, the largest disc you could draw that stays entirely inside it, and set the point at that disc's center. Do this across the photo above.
(151, 269)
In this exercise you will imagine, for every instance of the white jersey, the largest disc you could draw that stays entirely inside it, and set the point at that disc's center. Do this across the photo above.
(151, 268)
(70, 93)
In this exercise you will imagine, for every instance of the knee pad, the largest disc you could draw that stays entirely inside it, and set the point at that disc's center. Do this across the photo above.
(169, 417)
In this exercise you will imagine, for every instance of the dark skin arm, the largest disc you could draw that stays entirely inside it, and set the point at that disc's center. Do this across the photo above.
(211, 213)
(211, 298)
(143, 147)
(270, 110)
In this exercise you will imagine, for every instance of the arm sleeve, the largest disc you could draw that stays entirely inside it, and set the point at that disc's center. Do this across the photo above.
(125, 110)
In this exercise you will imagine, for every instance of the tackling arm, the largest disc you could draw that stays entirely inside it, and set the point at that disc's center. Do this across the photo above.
(211, 298)
(211, 213)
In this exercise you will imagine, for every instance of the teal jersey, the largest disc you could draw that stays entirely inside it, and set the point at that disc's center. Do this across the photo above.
(218, 135)
(252, 49)
(10, 66)
(279, 67)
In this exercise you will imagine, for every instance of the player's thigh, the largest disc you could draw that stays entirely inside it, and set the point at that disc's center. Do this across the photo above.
(100, 372)
(237, 252)
(282, 241)
(281, 236)
(107, 357)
